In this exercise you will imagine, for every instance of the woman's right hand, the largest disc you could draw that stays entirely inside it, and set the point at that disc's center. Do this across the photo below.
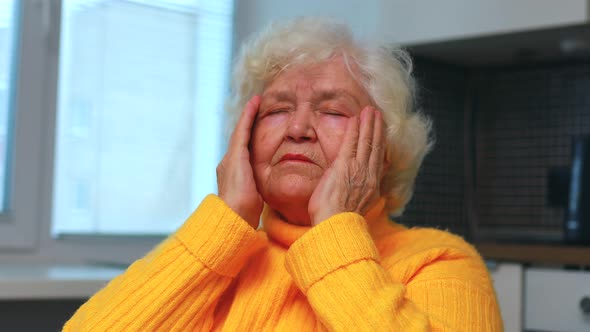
(235, 177)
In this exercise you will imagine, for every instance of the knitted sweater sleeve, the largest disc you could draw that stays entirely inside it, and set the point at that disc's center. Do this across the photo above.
(178, 284)
(337, 265)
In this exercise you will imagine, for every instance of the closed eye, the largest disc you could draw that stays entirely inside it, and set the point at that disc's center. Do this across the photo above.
(333, 113)
(277, 111)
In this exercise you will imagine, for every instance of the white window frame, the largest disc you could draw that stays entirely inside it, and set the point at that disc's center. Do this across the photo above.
(18, 225)
(25, 231)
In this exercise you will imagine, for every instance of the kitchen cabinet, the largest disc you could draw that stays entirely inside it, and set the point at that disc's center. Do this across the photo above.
(507, 278)
(411, 22)
(542, 299)
(557, 300)
(425, 21)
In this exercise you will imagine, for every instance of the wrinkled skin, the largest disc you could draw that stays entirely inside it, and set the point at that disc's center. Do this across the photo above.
(311, 146)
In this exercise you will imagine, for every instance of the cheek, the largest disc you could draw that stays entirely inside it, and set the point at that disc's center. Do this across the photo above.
(266, 138)
(331, 132)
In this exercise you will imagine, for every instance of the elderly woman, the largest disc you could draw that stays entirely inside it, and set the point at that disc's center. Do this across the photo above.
(325, 149)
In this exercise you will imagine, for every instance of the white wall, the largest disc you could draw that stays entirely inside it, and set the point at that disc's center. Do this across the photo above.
(414, 21)
(253, 15)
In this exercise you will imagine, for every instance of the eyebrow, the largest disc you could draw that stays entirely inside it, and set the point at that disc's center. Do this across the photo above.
(317, 96)
(335, 94)
(280, 95)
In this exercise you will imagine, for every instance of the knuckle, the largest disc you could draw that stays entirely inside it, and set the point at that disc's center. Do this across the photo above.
(378, 148)
(220, 167)
(357, 182)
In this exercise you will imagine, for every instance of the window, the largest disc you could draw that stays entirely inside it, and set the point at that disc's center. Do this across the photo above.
(139, 116)
(7, 56)
(25, 58)
(110, 123)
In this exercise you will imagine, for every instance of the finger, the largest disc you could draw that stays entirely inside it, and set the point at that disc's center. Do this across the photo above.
(348, 149)
(241, 134)
(365, 140)
(377, 158)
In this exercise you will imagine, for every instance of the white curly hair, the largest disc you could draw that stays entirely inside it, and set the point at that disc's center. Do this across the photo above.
(384, 71)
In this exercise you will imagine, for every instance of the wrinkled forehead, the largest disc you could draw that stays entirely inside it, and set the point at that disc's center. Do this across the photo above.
(328, 79)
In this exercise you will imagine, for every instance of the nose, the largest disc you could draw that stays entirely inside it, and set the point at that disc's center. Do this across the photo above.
(301, 126)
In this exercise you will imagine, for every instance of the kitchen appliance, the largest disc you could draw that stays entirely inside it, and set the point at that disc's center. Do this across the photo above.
(577, 215)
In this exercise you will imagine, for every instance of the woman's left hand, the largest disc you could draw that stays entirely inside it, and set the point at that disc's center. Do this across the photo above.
(351, 184)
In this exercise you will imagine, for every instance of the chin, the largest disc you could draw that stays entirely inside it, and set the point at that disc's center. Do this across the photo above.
(290, 192)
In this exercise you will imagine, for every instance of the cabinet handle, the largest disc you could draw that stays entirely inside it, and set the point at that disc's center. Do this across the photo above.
(585, 304)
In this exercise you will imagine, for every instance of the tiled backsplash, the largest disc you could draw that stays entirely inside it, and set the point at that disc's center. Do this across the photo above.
(524, 118)
(438, 196)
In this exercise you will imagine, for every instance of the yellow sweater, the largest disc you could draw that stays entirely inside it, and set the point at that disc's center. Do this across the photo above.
(349, 273)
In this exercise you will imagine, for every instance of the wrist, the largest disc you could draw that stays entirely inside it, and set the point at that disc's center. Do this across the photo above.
(320, 216)
(248, 214)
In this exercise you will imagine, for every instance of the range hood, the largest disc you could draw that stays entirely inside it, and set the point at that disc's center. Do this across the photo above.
(551, 44)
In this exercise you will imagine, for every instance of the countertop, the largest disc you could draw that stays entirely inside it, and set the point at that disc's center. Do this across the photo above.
(47, 281)
(536, 253)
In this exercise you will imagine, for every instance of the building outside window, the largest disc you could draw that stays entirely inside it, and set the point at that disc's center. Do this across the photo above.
(140, 107)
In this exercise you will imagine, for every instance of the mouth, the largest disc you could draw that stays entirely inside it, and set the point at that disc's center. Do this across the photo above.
(294, 157)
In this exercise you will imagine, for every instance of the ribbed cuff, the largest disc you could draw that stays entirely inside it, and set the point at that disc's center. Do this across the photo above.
(336, 242)
(219, 237)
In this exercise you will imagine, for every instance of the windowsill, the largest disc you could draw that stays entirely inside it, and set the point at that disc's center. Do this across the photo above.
(20, 281)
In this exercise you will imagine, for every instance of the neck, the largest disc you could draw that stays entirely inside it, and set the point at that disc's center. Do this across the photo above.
(295, 215)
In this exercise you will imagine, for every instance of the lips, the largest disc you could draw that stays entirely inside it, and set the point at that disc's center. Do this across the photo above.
(296, 157)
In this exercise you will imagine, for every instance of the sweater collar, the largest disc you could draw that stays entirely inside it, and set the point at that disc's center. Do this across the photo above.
(280, 231)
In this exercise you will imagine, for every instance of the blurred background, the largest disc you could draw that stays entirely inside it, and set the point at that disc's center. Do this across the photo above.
(112, 124)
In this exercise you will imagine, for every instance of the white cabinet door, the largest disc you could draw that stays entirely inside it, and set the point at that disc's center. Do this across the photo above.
(508, 284)
(421, 21)
(552, 300)
(416, 21)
